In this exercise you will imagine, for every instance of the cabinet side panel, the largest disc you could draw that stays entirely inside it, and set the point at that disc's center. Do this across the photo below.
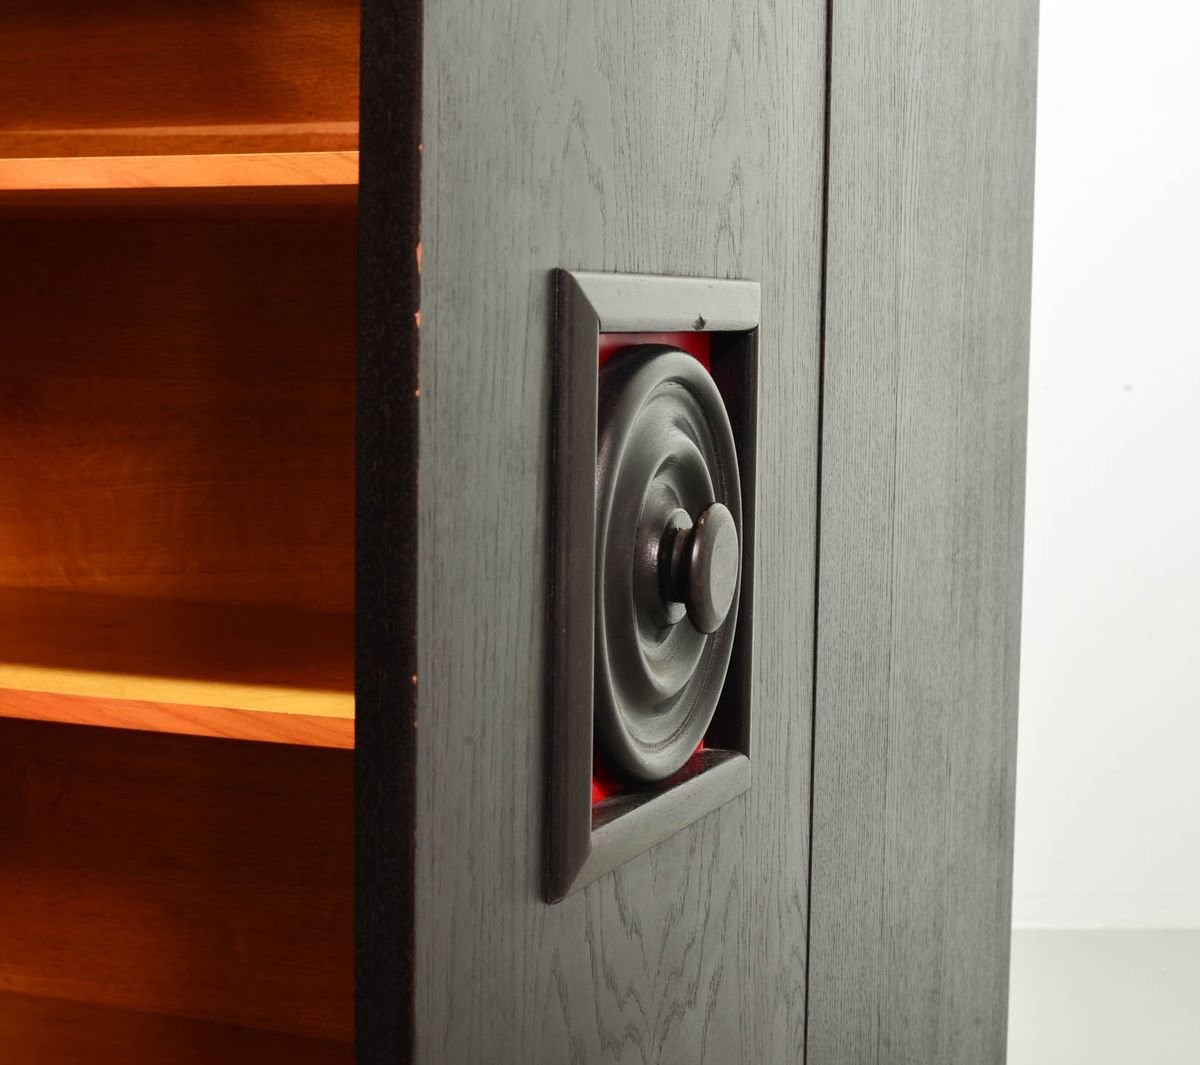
(386, 682)
(930, 221)
(663, 138)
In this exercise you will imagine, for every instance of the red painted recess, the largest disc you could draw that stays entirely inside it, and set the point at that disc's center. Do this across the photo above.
(603, 785)
(698, 345)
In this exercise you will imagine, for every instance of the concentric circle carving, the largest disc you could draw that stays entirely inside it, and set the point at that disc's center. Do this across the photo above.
(668, 557)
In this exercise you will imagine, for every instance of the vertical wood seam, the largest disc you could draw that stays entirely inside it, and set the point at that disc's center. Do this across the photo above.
(821, 334)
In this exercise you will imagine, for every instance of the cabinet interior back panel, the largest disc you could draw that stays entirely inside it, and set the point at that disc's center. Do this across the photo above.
(177, 403)
(135, 77)
(163, 875)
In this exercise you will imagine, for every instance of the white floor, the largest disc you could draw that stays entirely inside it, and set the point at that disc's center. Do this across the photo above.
(1104, 997)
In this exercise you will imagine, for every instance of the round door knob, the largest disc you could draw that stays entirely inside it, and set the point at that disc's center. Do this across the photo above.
(706, 565)
(668, 517)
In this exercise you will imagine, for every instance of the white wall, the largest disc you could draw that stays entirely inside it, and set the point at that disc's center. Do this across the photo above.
(1108, 781)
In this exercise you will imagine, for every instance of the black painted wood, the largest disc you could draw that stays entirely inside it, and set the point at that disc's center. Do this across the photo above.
(386, 586)
(687, 138)
(929, 226)
(586, 305)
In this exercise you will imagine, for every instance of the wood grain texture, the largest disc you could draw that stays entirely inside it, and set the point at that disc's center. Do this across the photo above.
(194, 668)
(180, 718)
(215, 138)
(186, 877)
(269, 169)
(185, 428)
(46, 203)
(140, 77)
(930, 216)
(56, 1032)
(240, 653)
(661, 138)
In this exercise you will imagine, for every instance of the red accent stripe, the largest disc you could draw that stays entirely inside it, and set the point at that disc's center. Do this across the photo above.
(603, 785)
(697, 344)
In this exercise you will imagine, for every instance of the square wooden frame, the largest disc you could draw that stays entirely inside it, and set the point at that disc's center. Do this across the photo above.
(586, 841)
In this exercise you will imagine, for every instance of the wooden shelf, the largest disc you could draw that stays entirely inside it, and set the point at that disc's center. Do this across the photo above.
(57, 1032)
(24, 179)
(172, 877)
(178, 188)
(184, 435)
(218, 139)
(146, 78)
(253, 673)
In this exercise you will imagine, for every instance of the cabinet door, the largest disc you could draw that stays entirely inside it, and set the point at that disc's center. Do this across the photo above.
(682, 138)
(922, 488)
(503, 141)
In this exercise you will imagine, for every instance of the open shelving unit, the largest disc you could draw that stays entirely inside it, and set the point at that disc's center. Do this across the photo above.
(178, 193)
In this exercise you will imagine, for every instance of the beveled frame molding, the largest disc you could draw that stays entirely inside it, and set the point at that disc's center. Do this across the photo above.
(586, 842)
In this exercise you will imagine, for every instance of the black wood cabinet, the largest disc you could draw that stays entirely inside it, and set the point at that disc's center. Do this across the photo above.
(871, 170)
(374, 705)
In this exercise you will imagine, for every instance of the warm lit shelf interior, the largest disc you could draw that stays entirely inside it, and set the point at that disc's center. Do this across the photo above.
(177, 426)
(56, 1030)
(196, 100)
(200, 669)
(19, 178)
(168, 900)
(178, 203)
(139, 77)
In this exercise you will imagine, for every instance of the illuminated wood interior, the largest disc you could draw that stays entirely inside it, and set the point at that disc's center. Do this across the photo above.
(168, 898)
(177, 416)
(140, 77)
(20, 179)
(178, 195)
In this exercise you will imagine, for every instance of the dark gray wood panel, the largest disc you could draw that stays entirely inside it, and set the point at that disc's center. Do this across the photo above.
(681, 137)
(930, 218)
(389, 215)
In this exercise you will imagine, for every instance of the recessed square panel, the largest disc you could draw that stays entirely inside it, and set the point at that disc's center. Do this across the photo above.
(652, 597)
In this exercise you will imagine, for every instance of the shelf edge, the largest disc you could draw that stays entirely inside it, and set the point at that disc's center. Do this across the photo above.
(264, 726)
(30, 176)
